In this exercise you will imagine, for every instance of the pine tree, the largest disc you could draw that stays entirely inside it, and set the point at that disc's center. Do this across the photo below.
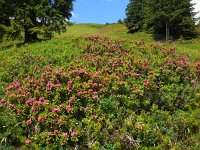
(172, 18)
(35, 17)
(134, 13)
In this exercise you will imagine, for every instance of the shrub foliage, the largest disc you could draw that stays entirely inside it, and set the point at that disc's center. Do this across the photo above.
(115, 95)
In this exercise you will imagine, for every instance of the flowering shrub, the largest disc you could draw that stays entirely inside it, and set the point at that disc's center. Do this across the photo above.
(104, 99)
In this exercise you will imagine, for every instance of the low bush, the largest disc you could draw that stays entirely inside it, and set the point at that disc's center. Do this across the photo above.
(115, 95)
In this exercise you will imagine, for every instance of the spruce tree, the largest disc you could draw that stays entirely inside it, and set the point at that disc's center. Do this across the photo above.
(134, 13)
(171, 18)
(35, 17)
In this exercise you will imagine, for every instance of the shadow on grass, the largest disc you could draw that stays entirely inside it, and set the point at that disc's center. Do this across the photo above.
(18, 43)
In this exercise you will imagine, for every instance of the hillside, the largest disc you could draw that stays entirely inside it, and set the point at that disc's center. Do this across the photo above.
(190, 48)
(119, 31)
(97, 87)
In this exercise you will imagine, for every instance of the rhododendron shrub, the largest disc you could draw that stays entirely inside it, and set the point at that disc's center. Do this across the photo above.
(99, 100)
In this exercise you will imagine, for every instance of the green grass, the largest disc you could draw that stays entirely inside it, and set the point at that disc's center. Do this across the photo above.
(55, 51)
(116, 31)
(80, 30)
(190, 48)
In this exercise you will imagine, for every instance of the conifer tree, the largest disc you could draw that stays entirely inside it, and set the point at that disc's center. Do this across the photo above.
(171, 18)
(35, 16)
(134, 12)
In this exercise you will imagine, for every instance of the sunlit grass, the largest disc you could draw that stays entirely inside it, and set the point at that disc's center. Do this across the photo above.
(190, 48)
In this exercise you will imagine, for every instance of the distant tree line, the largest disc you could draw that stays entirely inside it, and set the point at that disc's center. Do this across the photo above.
(34, 17)
(171, 18)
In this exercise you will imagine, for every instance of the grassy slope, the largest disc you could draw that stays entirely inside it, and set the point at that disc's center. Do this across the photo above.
(118, 31)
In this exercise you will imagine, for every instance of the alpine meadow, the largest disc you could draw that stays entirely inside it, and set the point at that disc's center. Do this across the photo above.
(132, 84)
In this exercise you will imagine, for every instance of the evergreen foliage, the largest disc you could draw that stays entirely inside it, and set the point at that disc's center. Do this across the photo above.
(135, 17)
(34, 17)
(172, 18)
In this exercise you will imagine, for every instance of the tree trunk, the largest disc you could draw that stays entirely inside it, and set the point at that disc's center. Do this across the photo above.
(29, 37)
(167, 31)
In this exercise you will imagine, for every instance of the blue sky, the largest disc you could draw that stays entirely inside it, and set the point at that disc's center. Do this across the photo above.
(103, 11)
(197, 7)
(98, 11)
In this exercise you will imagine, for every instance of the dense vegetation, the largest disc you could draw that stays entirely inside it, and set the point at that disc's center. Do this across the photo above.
(94, 92)
(105, 90)
(171, 18)
(33, 18)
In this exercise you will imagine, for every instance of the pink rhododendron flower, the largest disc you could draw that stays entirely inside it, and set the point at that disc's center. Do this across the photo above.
(3, 101)
(95, 97)
(49, 83)
(11, 106)
(29, 101)
(28, 93)
(33, 108)
(94, 116)
(95, 84)
(60, 121)
(95, 93)
(146, 82)
(42, 80)
(81, 71)
(38, 103)
(29, 121)
(27, 142)
(13, 95)
(41, 118)
(17, 84)
(136, 74)
(186, 77)
(56, 110)
(55, 131)
(99, 72)
(79, 93)
(56, 71)
(74, 133)
(41, 99)
(172, 49)
(145, 67)
(65, 134)
(90, 91)
(169, 62)
(49, 133)
(68, 108)
(100, 85)
(48, 67)
(19, 111)
(71, 99)
(87, 108)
